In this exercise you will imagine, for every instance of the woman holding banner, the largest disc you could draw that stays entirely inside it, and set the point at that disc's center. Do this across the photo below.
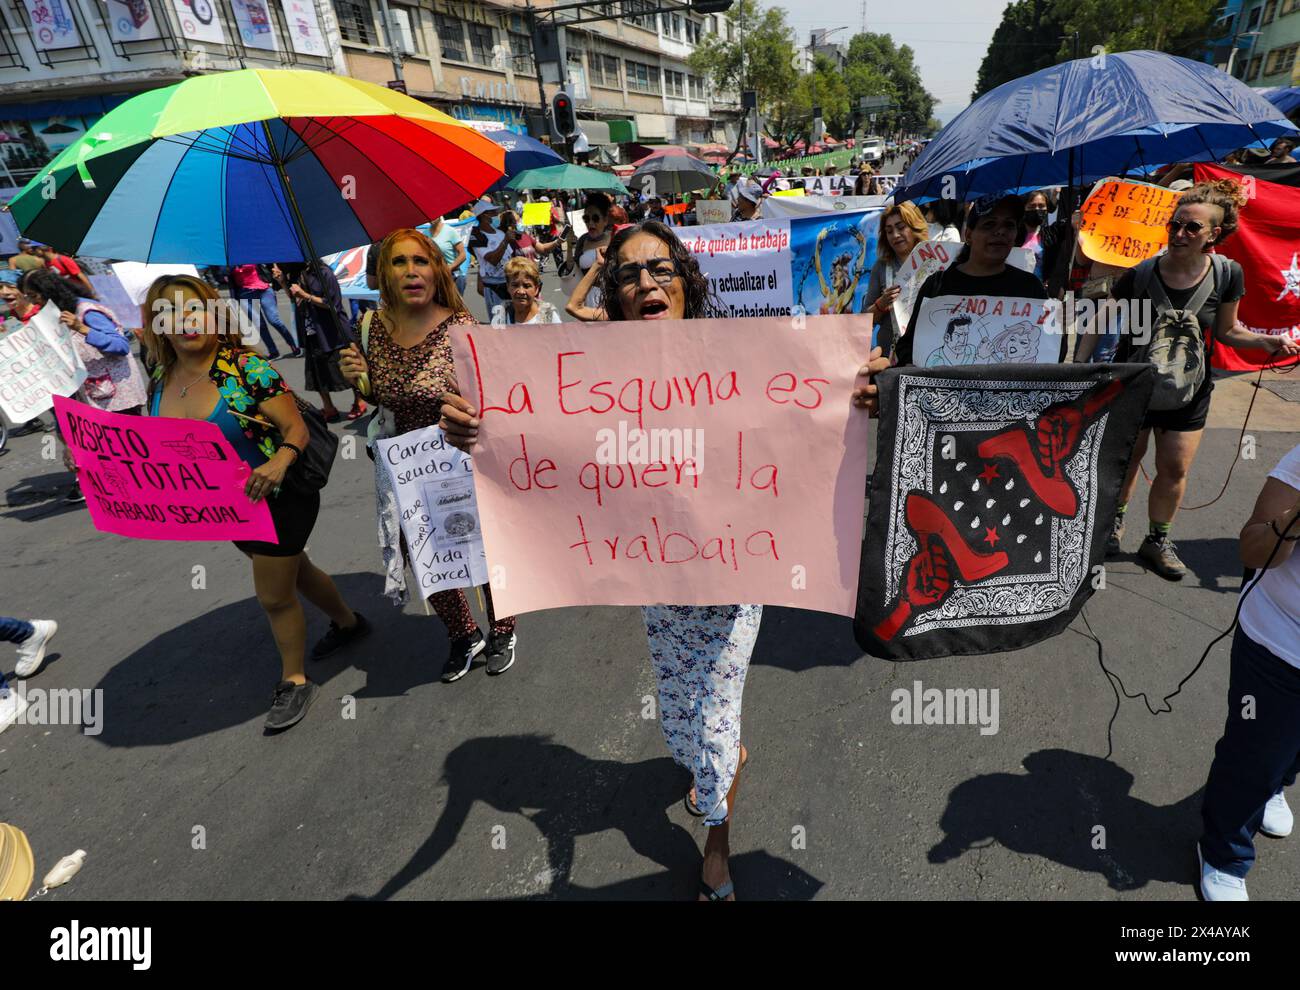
(202, 372)
(700, 654)
(405, 356)
(903, 228)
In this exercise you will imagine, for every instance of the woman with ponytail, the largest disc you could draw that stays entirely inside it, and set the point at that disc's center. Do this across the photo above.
(1206, 216)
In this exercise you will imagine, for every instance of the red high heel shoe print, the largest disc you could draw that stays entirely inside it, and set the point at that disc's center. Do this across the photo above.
(929, 573)
(1056, 437)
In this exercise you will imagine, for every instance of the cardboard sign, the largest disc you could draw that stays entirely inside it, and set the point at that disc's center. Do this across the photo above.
(712, 210)
(38, 362)
(154, 478)
(1123, 223)
(434, 484)
(536, 215)
(686, 462)
(954, 331)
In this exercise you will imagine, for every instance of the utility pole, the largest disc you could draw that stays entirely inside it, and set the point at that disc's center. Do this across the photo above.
(393, 50)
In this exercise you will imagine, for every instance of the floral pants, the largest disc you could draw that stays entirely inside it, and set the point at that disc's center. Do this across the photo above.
(700, 655)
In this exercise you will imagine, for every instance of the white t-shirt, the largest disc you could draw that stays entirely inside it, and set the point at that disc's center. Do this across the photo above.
(1270, 614)
(487, 271)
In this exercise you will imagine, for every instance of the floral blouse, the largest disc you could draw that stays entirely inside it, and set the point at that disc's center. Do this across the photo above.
(411, 380)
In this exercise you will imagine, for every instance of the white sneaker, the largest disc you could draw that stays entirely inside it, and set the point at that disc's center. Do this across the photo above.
(12, 706)
(32, 652)
(1217, 886)
(1278, 820)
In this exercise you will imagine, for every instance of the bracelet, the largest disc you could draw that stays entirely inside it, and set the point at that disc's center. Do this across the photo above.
(297, 451)
(1272, 524)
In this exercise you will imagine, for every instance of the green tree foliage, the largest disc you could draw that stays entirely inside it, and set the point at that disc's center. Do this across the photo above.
(768, 47)
(878, 67)
(1034, 34)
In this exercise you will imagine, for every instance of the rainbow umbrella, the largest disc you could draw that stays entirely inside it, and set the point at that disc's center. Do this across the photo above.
(254, 165)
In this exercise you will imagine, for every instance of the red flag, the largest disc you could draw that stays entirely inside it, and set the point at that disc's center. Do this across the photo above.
(1267, 246)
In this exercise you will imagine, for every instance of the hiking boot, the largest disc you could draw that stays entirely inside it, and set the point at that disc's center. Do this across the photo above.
(337, 638)
(501, 652)
(1112, 541)
(463, 652)
(289, 705)
(1160, 555)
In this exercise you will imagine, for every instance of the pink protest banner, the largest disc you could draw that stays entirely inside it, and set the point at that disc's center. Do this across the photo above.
(160, 479)
(683, 462)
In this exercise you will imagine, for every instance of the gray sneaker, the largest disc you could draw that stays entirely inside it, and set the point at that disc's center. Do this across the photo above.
(289, 705)
(1162, 558)
(1112, 541)
(501, 653)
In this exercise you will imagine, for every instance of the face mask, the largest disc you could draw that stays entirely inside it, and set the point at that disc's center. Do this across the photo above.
(1035, 218)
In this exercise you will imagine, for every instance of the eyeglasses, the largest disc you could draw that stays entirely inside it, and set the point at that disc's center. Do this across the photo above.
(662, 270)
(1193, 227)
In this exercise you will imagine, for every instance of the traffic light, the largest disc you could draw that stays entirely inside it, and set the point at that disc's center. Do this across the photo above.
(562, 115)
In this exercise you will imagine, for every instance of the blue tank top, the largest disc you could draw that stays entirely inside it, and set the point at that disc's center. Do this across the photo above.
(230, 427)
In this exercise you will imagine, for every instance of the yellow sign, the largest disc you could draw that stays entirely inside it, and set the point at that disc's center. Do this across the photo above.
(537, 215)
(789, 192)
(1123, 223)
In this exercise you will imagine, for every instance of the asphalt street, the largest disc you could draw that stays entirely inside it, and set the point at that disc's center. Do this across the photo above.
(551, 782)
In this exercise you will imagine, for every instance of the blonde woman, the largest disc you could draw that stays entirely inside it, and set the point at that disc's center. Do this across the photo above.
(902, 227)
(524, 289)
(409, 367)
(203, 372)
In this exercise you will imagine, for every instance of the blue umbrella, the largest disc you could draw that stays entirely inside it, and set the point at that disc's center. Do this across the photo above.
(1285, 98)
(523, 152)
(1088, 119)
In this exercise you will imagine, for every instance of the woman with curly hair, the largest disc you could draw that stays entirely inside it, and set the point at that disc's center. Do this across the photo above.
(700, 654)
(203, 372)
(1205, 217)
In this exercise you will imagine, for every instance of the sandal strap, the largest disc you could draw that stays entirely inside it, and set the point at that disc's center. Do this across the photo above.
(721, 894)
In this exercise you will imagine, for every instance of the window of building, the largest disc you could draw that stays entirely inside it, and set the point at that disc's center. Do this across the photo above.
(355, 22)
(1270, 9)
(642, 78)
(407, 28)
(521, 52)
(1289, 7)
(1255, 64)
(604, 71)
(673, 26)
(636, 11)
(1254, 18)
(482, 41)
(674, 82)
(694, 29)
(696, 85)
(451, 36)
(1281, 60)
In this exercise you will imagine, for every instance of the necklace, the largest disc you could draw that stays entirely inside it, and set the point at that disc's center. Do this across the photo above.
(186, 388)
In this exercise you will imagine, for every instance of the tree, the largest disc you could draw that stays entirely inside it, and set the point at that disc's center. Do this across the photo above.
(1027, 39)
(890, 70)
(766, 48)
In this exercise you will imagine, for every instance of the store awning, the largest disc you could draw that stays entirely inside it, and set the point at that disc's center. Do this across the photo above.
(652, 127)
(597, 131)
(622, 131)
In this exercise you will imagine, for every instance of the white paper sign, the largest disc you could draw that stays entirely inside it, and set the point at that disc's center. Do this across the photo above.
(712, 210)
(957, 330)
(132, 20)
(199, 20)
(37, 363)
(304, 28)
(434, 484)
(136, 277)
(926, 258)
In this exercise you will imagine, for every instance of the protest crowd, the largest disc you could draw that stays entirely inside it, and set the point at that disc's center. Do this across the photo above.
(994, 289)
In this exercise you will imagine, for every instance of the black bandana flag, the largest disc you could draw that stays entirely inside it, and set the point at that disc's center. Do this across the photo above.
(994, 492)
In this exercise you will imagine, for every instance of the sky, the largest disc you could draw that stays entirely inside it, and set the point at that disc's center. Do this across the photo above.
(949, 42)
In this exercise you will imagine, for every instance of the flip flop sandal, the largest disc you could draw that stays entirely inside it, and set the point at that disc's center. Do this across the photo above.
(721, 894)
(694, 809)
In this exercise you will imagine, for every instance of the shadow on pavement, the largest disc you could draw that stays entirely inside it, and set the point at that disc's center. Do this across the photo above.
(1214, 563)
(39, 497)
(1052, 812)
(219, 669)
(566, 795)
(797, 640)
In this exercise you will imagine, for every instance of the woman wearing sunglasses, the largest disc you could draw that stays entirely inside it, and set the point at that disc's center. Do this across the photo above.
(1206, 216)
(700, 654)
(586, 253)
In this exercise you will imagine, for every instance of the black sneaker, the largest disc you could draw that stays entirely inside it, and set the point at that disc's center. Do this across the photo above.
(290, 704)
(463, 652)
(335, 639)
(1162, 558)
(76, 496)
(501, 652)
(1112, 541)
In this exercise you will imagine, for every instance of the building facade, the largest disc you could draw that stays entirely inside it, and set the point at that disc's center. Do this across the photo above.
(1268, 39)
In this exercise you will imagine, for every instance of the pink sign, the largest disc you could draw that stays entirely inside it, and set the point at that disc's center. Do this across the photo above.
(161, 479)
(684, 462)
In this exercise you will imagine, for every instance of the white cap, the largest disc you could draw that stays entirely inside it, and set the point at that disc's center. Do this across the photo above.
(748, 188)
(485, 206)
